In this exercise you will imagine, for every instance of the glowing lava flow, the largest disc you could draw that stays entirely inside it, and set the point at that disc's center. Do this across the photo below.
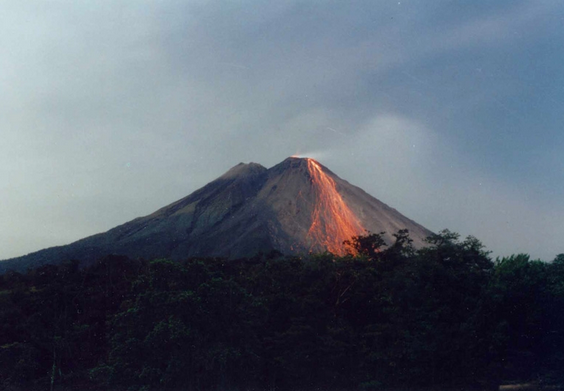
(332, 220)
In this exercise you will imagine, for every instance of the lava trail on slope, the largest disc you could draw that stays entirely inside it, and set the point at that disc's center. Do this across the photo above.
(332, 220)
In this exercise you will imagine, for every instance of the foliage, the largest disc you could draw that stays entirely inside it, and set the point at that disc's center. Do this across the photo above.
(387, 317)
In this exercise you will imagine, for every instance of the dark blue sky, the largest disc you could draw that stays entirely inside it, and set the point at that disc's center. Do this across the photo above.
(449, 111)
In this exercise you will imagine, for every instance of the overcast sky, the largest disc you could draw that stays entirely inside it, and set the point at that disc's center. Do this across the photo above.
(450, 111)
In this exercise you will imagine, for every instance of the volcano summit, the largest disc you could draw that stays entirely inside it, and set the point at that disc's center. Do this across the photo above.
(295, 207)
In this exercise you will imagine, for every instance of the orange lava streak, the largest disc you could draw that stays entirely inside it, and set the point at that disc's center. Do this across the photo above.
(332, 220)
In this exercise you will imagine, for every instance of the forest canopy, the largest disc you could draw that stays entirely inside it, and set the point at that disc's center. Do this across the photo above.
(385, 317)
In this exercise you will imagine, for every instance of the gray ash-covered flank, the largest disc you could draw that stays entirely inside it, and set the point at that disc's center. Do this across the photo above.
(295, 207)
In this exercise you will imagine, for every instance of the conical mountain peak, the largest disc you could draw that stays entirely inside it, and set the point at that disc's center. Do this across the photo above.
(295, 207)
(291, 164)
(244, 169)
(305, 197)
(297, 165)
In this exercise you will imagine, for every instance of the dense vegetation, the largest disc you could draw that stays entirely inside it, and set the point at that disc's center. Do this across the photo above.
(388, 317)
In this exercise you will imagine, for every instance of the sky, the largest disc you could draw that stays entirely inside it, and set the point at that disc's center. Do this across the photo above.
(452, 112)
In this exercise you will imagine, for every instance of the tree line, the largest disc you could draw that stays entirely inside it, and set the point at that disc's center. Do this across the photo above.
(387, 317)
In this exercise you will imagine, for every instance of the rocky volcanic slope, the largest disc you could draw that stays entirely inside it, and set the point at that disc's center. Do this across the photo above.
(295, 207)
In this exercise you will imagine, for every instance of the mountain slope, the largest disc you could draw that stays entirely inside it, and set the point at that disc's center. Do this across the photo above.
(295, 207)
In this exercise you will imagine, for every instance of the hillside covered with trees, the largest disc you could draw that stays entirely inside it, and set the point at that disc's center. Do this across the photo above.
(389, 317)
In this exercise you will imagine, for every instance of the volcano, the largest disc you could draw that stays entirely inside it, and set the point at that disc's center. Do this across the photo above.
(296, 207)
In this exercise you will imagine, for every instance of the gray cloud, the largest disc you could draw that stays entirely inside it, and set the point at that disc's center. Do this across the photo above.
(449, 112)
